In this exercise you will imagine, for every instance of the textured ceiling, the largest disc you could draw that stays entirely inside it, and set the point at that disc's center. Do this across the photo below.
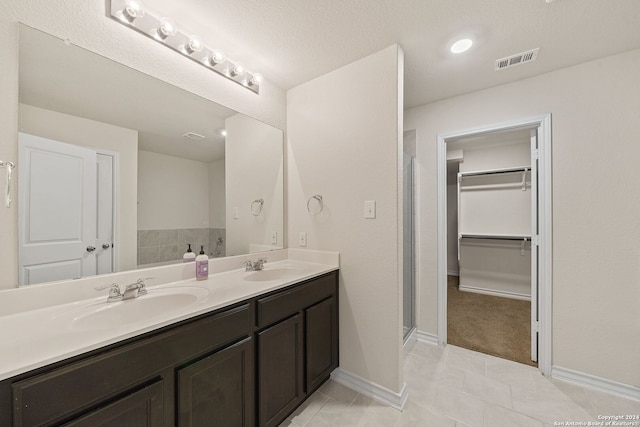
(293, 41)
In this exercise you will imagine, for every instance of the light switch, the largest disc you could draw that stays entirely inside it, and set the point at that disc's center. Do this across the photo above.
(370, 209)
(274, 237)
(236, 213)
(302, 239)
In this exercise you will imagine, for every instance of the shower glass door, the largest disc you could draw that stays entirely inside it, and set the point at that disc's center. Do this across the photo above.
(408, 264)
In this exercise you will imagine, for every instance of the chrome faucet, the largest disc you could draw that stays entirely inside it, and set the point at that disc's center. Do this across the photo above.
(254, 266)
(114, 292)
(133, 290)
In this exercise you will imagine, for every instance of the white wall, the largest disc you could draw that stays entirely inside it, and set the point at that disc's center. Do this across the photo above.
(254, 170)
(596, 209)
(345, 143)
(172, 192)
(217, 198)
(479, 156)
(90, 133)
(85, 24)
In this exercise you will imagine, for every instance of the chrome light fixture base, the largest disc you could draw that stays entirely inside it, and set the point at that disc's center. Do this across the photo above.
(188, 46)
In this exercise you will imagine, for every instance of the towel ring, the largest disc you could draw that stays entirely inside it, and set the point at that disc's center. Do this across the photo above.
(319, 203)
(256, 207)
(7, 197)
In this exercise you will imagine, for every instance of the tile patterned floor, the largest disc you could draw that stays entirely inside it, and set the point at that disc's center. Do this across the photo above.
(454, 387)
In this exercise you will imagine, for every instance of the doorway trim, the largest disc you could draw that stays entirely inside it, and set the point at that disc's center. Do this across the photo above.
(115, 213)
(543, 123)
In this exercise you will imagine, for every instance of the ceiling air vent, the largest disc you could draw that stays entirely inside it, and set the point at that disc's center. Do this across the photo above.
(520, 58)
(193, 135)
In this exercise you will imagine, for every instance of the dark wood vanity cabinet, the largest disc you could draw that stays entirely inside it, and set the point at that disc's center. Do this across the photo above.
(250, 364)
(129, 384)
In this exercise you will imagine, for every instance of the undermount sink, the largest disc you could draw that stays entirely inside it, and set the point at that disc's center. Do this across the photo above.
(278, 273)
(157, 302)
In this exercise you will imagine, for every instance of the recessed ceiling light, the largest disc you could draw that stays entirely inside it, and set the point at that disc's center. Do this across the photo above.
(461, 45)
(223, 132)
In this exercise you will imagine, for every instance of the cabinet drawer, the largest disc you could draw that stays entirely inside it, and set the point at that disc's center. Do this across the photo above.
(140, 408)
(84, 385)
(273, 308)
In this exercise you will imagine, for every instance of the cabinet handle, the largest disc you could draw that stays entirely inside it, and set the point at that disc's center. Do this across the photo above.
(106, 246)
(90, 248)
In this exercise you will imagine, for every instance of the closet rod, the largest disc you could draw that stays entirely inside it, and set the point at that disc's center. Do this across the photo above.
(495, 171)
(494, 237)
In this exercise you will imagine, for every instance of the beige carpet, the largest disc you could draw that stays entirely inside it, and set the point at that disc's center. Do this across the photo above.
(488, 324)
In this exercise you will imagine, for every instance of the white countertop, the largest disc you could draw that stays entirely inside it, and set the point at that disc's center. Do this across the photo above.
(41, 336)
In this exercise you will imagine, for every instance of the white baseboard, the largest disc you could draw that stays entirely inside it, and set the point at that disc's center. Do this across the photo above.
(596, 383)
(371, 389)
(409, 342)
(426, 337)
(495, 293)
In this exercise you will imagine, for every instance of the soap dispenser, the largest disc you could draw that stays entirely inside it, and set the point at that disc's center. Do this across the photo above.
(202, 265)
(189, 256)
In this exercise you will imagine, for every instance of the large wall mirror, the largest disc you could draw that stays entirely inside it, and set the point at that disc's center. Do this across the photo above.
(118, 170)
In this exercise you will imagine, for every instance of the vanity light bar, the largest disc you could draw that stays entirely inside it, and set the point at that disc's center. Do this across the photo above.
(131, 13)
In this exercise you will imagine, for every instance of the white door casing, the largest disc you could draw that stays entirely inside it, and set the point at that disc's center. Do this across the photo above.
(543, 214)
(534, 244)
(105, 233)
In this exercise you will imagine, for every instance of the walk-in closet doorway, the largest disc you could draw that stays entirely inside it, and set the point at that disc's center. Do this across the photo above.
(501, 242)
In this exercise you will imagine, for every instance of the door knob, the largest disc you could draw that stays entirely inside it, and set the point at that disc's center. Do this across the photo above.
(106, 246)
(90, 248)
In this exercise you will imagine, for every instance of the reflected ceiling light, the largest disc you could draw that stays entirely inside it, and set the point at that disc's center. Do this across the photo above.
(461, 45)
(131, 14)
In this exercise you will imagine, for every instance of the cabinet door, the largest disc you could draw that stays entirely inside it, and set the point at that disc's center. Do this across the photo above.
(219, 389)
(280, 370)
(321, 341)
(139, 409)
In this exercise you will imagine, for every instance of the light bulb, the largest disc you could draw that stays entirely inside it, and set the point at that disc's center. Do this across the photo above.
(131, 11)
(193, 45)
(223, 132)
(217, 57)
(166, 29)
(256, 79)
(237, 70)
(461, 45)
